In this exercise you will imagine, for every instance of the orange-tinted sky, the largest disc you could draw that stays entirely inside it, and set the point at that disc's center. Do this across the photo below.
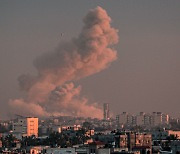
(146, 75)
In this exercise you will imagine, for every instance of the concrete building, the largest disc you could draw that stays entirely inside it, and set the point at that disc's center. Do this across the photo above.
(140, 119)
(143, 139)
(165, 119)
(132, 140)
(158, 118)
(57, 129)
(117, 122)
(0, 144)
(176, 134)
(131, 120)
(89, 132)
(125, 152)
(147, 120)
(103, 151)
(164, 134)
(94, 146)
(106, 111)
(61, 151)
(123, 118)
(121, 141)
(159, 135)
(26, 126)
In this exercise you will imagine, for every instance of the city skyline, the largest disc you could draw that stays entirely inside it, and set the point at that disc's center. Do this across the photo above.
(143, 76)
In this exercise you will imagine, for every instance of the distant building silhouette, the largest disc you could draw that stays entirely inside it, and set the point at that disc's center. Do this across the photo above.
(106, 111)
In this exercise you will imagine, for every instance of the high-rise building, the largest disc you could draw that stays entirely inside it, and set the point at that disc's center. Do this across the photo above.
(165, 119)
(147, 119)
(158, 118)
(26, 126)
(106, 111)
(123, 118)
(117, 121)
(130, 120)
(140, 119)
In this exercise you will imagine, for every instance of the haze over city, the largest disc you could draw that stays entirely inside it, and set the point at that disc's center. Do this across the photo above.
(49, 67)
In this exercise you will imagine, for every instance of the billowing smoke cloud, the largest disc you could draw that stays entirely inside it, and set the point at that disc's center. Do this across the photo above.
(49, 92)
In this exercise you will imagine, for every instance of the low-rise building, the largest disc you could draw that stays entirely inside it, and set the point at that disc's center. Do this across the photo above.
(176, 134)
(131, 139)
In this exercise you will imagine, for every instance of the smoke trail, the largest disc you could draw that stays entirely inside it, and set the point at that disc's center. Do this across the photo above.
(85, 55)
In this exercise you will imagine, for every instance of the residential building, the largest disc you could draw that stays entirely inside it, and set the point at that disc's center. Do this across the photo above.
(106, 111)
(26, 126)
(158, 118)
(132, 140)
(123, 118)
(140, 119)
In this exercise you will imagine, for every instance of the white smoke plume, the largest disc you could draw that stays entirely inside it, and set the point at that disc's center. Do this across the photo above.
(49, 93)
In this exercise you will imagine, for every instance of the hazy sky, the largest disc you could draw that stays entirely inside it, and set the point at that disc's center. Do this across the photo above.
(146, 75)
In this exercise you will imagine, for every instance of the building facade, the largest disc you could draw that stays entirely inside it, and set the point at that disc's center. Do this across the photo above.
(26, 126)
(106, 111)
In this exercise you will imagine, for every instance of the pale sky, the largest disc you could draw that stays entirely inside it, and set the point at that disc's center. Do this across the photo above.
(146, 75)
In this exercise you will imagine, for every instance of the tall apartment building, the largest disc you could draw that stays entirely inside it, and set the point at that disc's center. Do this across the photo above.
(140, 119)
(106, 111)
(26, 126)
(147, 119)
(131, 120)
(165, 119)
(123, 118)
(117, 122)
(158, 118)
